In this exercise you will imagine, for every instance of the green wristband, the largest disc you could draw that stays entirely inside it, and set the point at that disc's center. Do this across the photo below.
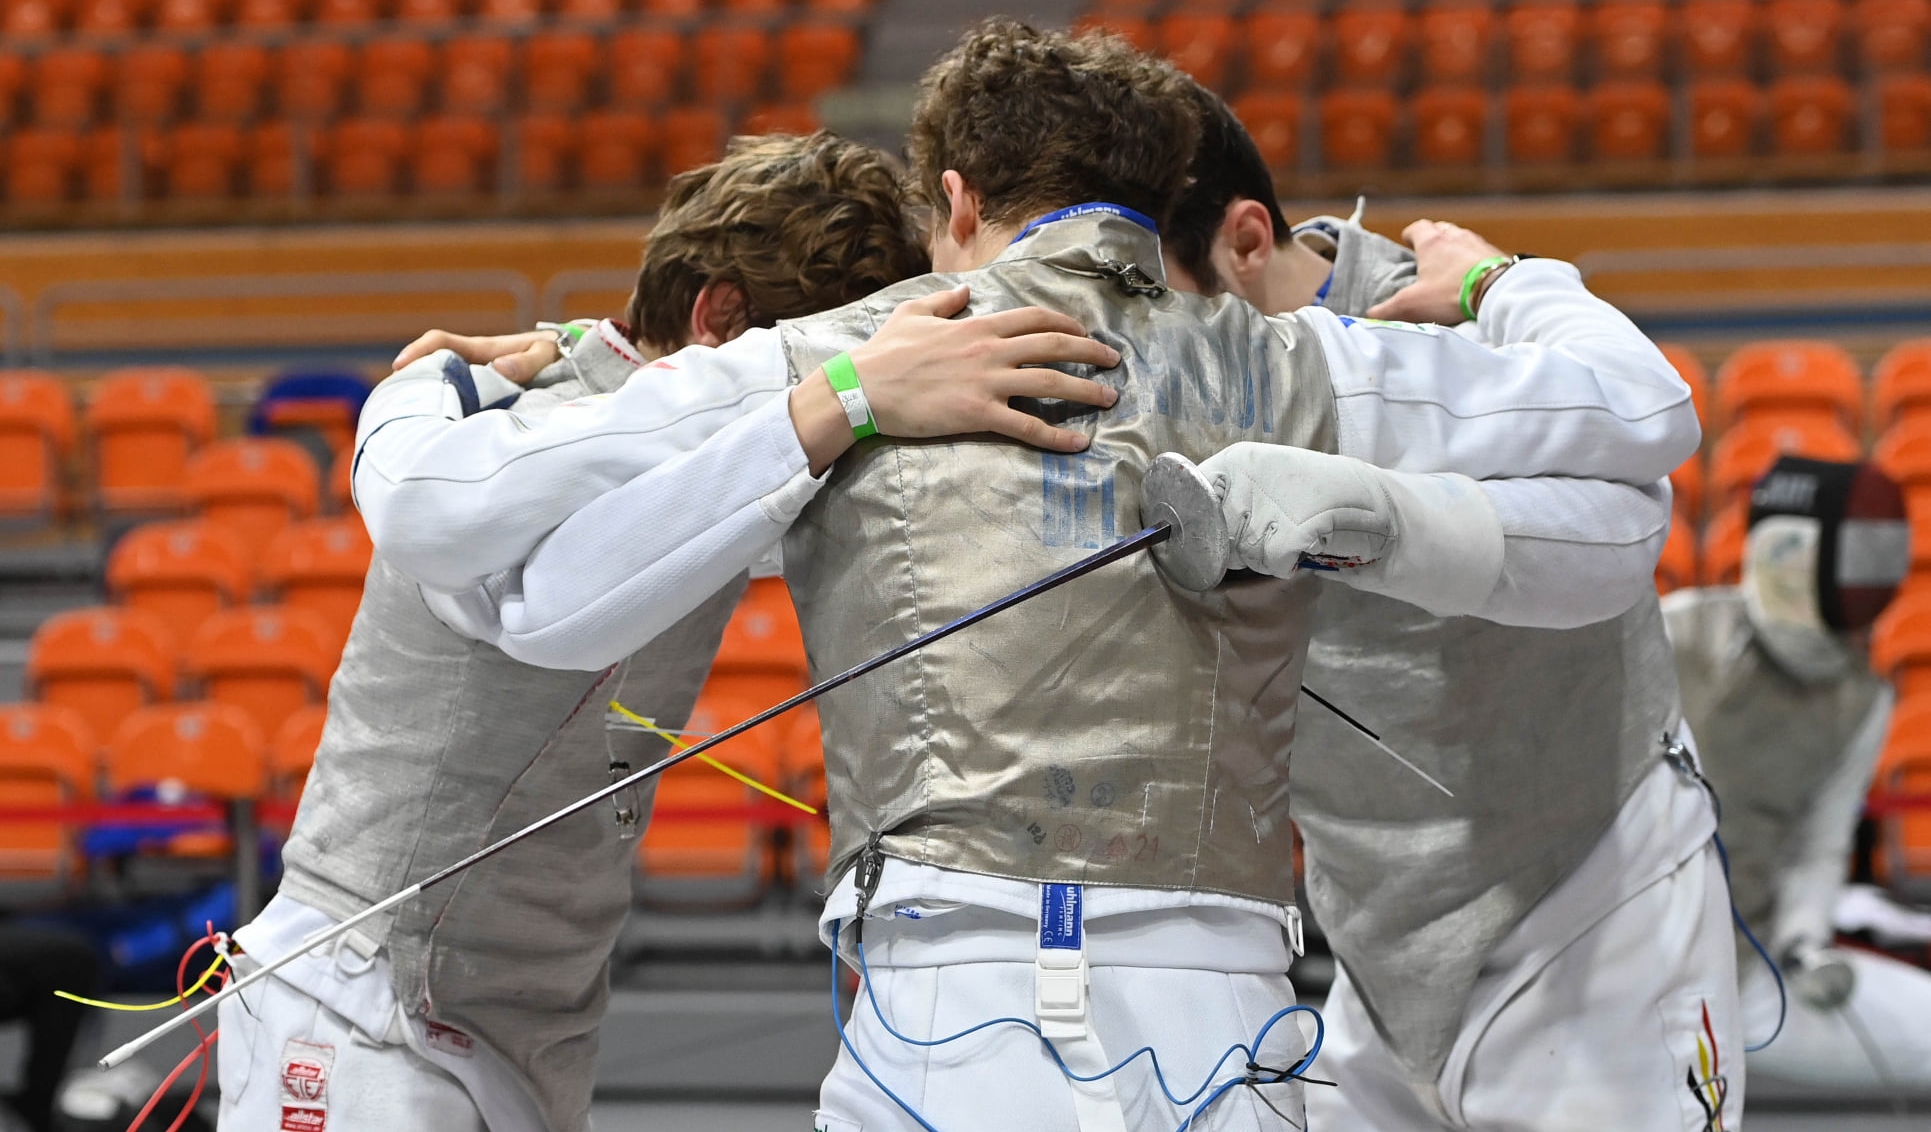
(1474, 279)
(844, 382)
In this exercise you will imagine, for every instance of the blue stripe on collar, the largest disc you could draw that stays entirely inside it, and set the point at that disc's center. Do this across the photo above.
(1088, 209)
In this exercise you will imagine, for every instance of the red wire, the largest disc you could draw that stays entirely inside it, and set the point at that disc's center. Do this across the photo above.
(200, 1051)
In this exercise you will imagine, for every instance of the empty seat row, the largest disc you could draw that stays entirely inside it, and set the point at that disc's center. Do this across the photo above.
(1538, 41)
(396, 76)
(1721, 119)
(39, 20)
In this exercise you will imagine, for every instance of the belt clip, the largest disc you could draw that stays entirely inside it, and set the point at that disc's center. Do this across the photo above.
(626, 806)
(1295, 939)
(1060, 972)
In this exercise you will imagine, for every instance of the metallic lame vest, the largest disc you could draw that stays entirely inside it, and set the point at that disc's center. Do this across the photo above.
(1766, 739)
(437, 745)
(1116, 730)
(1542, 734)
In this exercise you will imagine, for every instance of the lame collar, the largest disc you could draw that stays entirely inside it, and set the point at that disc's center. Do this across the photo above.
(1088, 209)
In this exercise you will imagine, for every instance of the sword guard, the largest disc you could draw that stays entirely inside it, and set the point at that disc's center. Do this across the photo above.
(1175, 492)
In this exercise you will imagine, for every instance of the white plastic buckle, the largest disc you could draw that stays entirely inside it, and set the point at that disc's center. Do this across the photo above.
(1294, 937)
(1059, 991)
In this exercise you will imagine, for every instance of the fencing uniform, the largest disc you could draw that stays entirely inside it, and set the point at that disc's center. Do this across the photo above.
(1790, 725)
(478, 1004)
(985, 776)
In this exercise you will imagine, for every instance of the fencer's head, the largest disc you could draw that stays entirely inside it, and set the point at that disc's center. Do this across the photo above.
(1015, 122)
(1827, 548)
(1228, 233)
(782, 227)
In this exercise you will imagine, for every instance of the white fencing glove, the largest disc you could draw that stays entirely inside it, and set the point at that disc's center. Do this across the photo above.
(1431, 540)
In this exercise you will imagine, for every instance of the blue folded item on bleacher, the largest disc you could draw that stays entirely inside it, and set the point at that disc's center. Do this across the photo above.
(121, 839)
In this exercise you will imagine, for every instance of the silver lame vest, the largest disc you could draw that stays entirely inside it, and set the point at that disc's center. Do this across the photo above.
(1542, 734)
(1116, 730)
(1766, 739)
(437, 745)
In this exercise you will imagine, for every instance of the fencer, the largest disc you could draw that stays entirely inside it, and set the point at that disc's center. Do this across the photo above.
(1498, 949)
(1790, 722)
(996, 770)
(479, 1007)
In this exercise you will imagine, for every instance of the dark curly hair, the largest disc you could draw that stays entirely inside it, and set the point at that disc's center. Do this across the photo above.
(1037, 120)
(1227, 166)
(799, 224)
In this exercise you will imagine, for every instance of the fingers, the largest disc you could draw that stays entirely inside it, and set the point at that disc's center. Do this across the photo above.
(1031, 430)
(1030, 320)
(938, 304)
(1049, 348)
(1419, 232)
(1398, 306)
(524, 365)
(423, 347)
(1050, 384)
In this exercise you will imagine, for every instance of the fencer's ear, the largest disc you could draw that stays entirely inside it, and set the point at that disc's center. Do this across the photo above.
(1245, 245)
(963, 223)
(720, 314)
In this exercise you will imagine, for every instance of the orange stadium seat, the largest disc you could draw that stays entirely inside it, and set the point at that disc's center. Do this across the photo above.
(701, 859)
(1810, 114)
(346, 13)
(25, 21)
(815, 58)
(102, 664)
(729, 62)
(1716, 37)
(692, 136)
(1281, 48)
(109, 155)
(1890, 34)
(1902, 381)
(291, 753)
(149, 83)
(728, 700)
(41, 165)
(271, 159)
(109, 18)
(1803, 36)
(1688, 483)
(13, 77)
(391, 76)
(146, 422)
(1136, 30)
(1455, 44)
(545, 149)
(754, 7)
(1903, 851)
(266, 15)
(645, 65)
(1543, 38)
(454, 153)
(673, 9)
(1747, 449)
(363, 156)
(1690, 368)
(1720, 557)
(620, 149)
(228, 81)
(182, 572)
(209, 749)
(254, 486)
(188, 17)
(1541, 123)
(1724, 116)
(266, 660)
(598, 11)
(319, 565)
(1357, 128)
(310, 77)
(66, 83)
(474, 74)
(1274, 119)
(1791, 375)
(1369, 45)
(1199, 43)
(202, 159)
(1904, 451)
(1629, 120)
(1628, 38)
(780, 118)
(1450, 124)
(47, 758)
(557, 68)
(427, 13)
(763, 634)
(1676, 568)
(1904, 113)
(341, 487)
(36, 436)
(510, 13)
(1901, 645)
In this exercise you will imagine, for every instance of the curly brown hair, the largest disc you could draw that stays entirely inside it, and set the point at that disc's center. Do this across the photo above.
(799, 224)
(1037, 120)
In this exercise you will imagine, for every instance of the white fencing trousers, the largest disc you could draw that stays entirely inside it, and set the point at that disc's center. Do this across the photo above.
(288, 1063)
(947, 973)
(1879, 1039)
(1632, 1024)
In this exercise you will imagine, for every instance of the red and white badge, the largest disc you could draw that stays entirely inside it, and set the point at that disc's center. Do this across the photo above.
(306, 1069)
(301, 1118)
(449, 1040)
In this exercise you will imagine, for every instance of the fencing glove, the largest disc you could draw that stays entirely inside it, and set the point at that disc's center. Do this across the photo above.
(1431, 540)
(1368, 268)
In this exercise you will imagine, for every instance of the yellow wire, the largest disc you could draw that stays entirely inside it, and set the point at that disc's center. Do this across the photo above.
(650, 725)
(201, 982)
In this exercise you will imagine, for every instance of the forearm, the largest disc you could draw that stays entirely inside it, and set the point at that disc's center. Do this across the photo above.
(637, 559)
(452, 495)
(1575, 552)
(1573, 390)
(1820, 850)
